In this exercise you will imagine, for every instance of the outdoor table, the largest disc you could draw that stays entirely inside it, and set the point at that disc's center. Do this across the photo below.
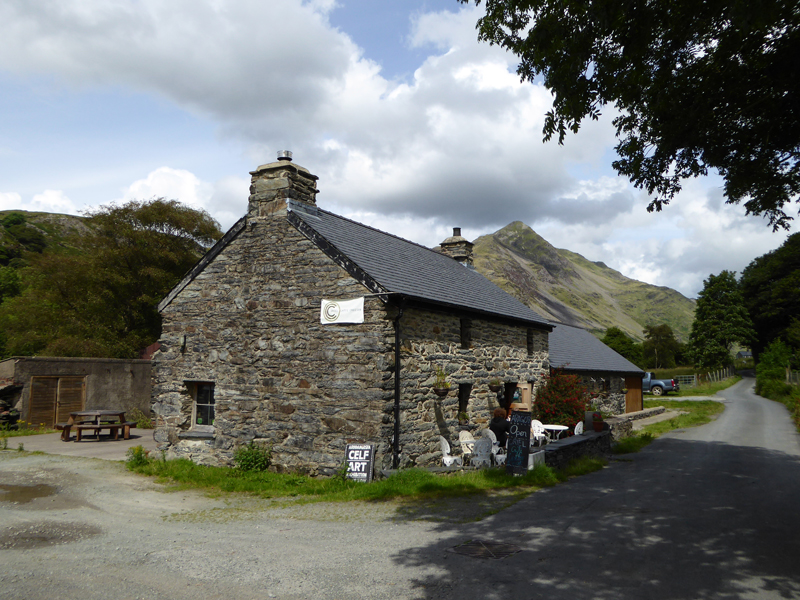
(554, 431)
(95, 420)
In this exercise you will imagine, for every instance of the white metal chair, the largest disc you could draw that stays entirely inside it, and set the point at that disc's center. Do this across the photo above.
(538, 434)
(579, 428)
(467, 442)
(482, 453)
(447, 460)
(497, 449)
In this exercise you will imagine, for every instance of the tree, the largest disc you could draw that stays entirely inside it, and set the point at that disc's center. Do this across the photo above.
(660, 346)
(770, 287)
(99, 298)
(698, 85)
(561, 399)
(720, 320)
(619, 342)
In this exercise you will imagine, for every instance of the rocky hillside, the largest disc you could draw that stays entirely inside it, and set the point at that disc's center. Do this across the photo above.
(564, 286)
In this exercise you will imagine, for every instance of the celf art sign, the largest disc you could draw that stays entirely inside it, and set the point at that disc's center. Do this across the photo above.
(360, 459)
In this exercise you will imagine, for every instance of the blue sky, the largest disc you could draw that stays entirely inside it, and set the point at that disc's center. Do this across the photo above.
(411, 124)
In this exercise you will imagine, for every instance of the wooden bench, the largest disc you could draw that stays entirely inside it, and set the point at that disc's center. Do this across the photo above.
(113, 428)
(64, 428)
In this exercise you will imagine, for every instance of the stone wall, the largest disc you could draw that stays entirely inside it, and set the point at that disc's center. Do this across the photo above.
(251, 326)
(605, 391)
(431, 340)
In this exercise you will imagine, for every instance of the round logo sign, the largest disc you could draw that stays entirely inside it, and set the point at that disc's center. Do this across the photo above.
(331, 312)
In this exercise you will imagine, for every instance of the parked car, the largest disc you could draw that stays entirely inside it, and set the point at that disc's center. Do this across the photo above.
(658, 386)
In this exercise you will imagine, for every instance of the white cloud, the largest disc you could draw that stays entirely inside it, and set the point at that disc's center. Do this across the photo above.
(459, 144)
(55, 201)
(225, 200)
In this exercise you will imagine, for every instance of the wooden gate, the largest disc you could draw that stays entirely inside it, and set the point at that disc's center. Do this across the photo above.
(633, 398)
(53, 398)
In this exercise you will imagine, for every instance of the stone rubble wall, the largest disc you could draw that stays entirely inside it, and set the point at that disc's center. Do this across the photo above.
(432, 340)
(252, 327)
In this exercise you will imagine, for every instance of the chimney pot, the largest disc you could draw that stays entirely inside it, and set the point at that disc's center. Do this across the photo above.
(285, 155)
(456, 231)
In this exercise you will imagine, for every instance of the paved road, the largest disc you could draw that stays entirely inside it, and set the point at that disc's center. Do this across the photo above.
(707, 513)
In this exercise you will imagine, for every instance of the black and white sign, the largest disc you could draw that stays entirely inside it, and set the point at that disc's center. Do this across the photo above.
(519, 443)
(360, 459)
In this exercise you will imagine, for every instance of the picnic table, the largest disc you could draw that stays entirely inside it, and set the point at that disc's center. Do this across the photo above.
(95, 421)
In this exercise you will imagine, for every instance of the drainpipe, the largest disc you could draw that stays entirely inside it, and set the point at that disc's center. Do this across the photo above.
(396, 444)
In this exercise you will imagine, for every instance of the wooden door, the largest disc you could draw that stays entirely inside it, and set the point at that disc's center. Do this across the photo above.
(633, 399)
(43, 399)
(70, 397)
(53, 398)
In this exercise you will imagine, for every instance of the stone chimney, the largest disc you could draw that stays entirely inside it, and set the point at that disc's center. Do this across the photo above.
(273, 184)
(458, 248)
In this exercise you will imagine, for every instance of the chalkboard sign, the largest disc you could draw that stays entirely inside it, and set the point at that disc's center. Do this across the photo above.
(519, 443)
(360, 459)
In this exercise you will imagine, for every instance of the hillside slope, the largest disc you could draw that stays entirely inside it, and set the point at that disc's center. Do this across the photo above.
(566, 287)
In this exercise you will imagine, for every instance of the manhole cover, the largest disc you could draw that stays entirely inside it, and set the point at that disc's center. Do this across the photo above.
(479, 549)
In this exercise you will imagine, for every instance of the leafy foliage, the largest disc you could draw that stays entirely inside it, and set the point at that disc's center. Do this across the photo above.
(99, 297)
(771, 369)
(253, 457)
(660, 346)
(698, 86)
(720, 321)
(770, 287)
(619, 342)
(136, 457)
(560, 400)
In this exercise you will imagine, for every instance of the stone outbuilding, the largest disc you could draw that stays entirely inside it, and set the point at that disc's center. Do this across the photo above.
(248, 354)
(46, 389)
(614, 382)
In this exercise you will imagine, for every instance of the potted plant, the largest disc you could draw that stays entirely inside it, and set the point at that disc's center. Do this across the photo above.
(463, 418)
(495, 385)
(597, 422)
(441, 386)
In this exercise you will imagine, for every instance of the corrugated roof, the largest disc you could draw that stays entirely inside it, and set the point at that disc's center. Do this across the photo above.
(576, 349)
(403, 267)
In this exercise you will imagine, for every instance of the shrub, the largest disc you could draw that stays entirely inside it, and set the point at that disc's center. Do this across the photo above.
(142, 420)
(136, 457)
(560, 400)
(253, 457)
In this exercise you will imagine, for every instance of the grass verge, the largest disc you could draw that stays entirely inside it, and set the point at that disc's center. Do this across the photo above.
(708, 389)
(407, 484)
(25, 429)
(698, 413)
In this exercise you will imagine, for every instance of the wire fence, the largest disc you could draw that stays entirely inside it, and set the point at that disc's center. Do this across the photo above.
(792, 377)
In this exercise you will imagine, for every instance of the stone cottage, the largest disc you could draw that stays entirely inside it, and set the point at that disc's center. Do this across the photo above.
(614, 382)
(246, 353)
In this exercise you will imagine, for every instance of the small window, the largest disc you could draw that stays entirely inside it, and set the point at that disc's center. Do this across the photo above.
(466, 333)
(530, 342)
(203, 405)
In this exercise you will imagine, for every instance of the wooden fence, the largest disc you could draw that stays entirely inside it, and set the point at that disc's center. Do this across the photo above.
(710, 377)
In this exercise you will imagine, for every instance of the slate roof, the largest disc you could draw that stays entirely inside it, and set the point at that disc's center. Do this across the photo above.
(403, 267)
(576, 349)
(395, 265)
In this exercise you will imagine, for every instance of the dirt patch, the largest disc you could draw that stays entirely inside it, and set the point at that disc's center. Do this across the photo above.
(49, 533)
